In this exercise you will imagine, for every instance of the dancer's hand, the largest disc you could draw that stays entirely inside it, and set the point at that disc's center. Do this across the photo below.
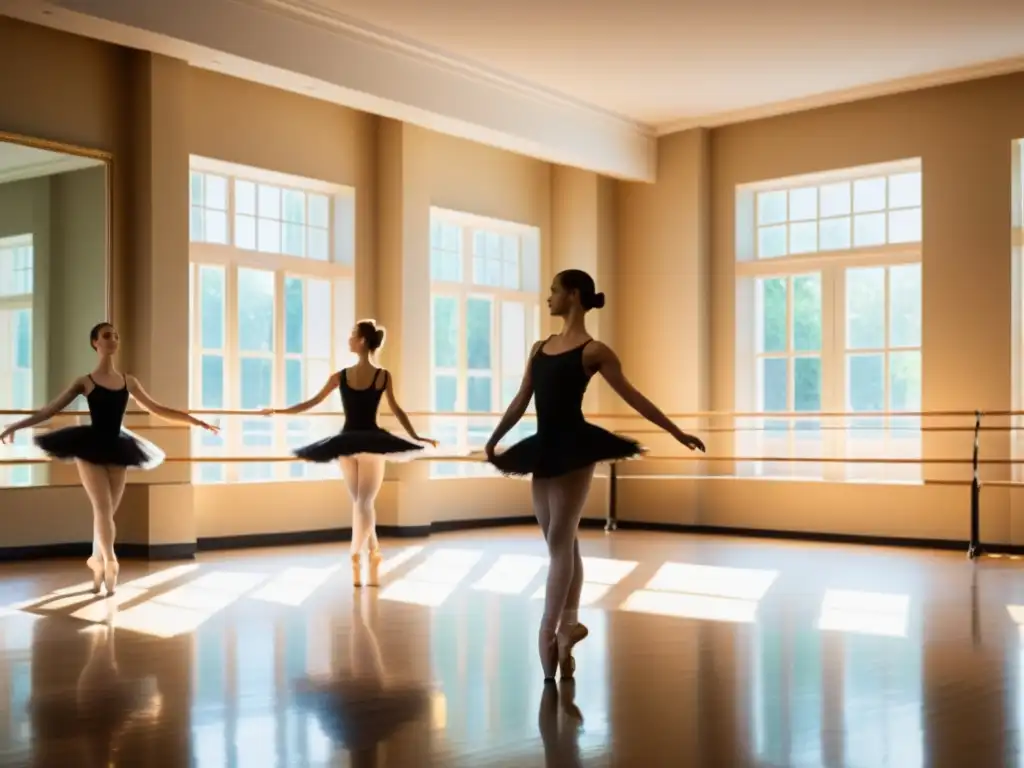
(7, 436)
(207, 427)
(429, 441)
(489, 450)
(692, 442)
(268, 412)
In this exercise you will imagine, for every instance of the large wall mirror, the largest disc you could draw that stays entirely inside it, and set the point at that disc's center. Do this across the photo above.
(54, 282)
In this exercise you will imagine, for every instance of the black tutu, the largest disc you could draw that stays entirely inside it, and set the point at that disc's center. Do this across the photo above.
(82, 442)
(564, 451)
(353, 441)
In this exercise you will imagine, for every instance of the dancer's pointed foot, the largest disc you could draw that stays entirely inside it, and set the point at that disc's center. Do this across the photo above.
(373, 579)
(110, 574)
(548, 654)
(567, 639)
(96, 566)
(357, 571)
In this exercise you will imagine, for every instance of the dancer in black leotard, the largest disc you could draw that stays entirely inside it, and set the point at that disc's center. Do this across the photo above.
(562, 454)
(103, 449)
(361, 445)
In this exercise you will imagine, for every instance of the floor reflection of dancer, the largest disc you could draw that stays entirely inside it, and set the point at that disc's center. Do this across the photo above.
(361, 445)
(560, 723)
(562, 455)
(103, 449)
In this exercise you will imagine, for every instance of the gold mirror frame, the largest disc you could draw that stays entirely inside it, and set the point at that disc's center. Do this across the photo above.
(107, 159)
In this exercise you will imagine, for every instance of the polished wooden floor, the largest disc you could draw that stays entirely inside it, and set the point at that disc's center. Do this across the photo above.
(702, 652)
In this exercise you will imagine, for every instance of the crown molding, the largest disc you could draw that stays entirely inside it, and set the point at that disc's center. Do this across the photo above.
(859, 93)
(52, 167)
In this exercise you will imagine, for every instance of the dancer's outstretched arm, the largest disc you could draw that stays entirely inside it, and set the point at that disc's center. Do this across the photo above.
(143, 398)
(47, 412)
(599, 357)
(401, 415)
(333, 382)
(516, 408)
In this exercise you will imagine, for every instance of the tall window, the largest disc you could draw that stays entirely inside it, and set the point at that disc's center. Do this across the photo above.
(16, 282)
(1017, 293)
(272, 307)
(829, 321)
(485, 316)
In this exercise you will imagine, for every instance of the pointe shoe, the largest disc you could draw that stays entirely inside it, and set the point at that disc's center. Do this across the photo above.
(566, 642)
(357, 572)
(549, 657)
(374, 577)
(96, 566)
(110, 574)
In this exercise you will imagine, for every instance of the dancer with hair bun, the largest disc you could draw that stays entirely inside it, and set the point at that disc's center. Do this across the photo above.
(361, 446)
(103, 449)
(562, 454)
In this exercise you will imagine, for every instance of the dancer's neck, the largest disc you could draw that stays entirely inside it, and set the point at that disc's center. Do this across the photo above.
(574, 324)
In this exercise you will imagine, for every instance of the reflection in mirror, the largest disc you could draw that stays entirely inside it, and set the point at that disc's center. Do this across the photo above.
(53, 283)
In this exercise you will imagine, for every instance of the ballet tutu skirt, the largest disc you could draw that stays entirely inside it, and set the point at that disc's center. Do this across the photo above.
(125, 449)
(355, 441)
(565, 450)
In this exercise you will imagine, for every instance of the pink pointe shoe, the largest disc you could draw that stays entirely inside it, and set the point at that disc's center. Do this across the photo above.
(565, 644)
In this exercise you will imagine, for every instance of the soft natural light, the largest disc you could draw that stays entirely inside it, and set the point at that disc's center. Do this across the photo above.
(865, 613)
(600, 574)
(434, 580)
(294, 586)
(159, 578)
(687, 606)
(396, 561)
(105, 609)
(511, 574)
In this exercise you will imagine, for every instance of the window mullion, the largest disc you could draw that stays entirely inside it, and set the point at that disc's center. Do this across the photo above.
(232, 371)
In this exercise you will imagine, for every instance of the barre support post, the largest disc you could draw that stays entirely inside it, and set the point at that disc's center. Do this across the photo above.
(974, 547)
(611, 523)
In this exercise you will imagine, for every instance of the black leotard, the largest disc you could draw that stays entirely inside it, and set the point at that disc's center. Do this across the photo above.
(564, 441)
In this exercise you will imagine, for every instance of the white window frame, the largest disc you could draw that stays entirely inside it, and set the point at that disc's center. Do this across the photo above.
(282, 266)
(831, 266)
(19, 475)
(1017, 304)
(461, 292)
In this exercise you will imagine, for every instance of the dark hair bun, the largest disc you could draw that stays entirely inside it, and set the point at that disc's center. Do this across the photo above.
(598, 301)
(378, 338)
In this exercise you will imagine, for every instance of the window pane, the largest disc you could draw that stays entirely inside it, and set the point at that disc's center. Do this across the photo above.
(216, 193)
(211, 307)
(294, 239)
(509, 388)
(318, 314)
(834, 234)
(478, 334)
(479, 270)
(445, 392)
(294, 206)
(803, 204)
(23, 339)
(269, 236)
(217, 227)
(865, 389)
(270, 202)
(868, 195)
(772, 299)
(319, 211)
(865, 308)
(530, 262)
(317, 373)
(835, 199)
(478, 394)
(212, 382)
(807, 313)
(452, 240)
(905, 190)
(905, 226)
(446, 331)
(771, 242)
(869, 229)
(255, 310)
(293, 320)
(905, 381)
(771, 207)
(513, 337)
(807, 384)
(245, 232)
(293, 390)
(195, 224)
(255, 382)
(195, 188)
(510, 275)
(245, 197)
(905, 305)
(437, 264)
(774, 376)
(803, 237)
(344, 319)
(319, 244)
(494, 272)
(493, 241)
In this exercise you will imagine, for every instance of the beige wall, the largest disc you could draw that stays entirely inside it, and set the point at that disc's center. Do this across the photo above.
(663, 253)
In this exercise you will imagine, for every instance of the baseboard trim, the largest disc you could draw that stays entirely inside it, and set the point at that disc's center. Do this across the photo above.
(82, 549)
(284, 539)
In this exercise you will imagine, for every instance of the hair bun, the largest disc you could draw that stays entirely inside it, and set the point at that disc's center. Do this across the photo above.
(598, 301)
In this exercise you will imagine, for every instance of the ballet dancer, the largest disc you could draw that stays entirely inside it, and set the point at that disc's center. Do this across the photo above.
(361, 445)
(562, 454)
(102, 449)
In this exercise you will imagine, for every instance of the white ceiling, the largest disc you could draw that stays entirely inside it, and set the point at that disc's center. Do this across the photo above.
(662, 62)
(18, 161)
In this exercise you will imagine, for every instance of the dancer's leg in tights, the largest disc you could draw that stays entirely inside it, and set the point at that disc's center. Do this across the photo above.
(565, 498)
(350, 471)
(96, 481)
(371, 477)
